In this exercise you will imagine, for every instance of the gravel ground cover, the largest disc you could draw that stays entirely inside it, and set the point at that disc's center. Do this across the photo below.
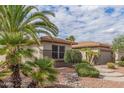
(67, 78)
(85, 82)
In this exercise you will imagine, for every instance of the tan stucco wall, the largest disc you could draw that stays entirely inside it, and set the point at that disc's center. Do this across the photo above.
(118, 55)
(2, 57)
(36, 53)
(48, 48)
(39, 51)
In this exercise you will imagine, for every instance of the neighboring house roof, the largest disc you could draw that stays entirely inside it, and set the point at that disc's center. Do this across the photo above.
(56, 40)
(91, 44)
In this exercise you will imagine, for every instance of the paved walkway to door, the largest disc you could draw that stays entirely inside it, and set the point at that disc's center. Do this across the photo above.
(110, 74)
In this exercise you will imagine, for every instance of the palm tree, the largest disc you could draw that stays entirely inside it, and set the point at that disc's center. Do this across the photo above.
(41, 71)
(90, 54)
(20, 27)
(71, 38)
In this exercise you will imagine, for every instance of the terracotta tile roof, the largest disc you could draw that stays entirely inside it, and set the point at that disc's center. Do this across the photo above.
(56, 40)
(90, 44)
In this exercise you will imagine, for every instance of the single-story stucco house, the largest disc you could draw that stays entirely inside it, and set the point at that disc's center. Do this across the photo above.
(105, 51)
(55, 48)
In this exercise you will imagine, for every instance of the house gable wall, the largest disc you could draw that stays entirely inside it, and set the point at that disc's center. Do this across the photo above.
(47, 49)
(105, 56)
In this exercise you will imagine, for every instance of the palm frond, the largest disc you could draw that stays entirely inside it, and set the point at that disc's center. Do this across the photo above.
(42, 70)
(48, 13)
(20, 26)
(4, 74)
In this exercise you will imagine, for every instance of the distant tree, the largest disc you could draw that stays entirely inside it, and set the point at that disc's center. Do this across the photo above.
(71, 38)
(118, 43)
(90, 54)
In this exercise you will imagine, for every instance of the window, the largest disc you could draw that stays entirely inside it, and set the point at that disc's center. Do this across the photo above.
(54, 51)
(61, 52)
(58, 52)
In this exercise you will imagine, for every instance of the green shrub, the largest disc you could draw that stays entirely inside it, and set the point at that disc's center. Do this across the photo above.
(121, 63)
(85, 69)
(72, 56)
(111, 65)
(122, 58)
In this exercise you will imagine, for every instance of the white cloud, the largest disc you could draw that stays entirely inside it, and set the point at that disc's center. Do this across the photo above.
(89, 23)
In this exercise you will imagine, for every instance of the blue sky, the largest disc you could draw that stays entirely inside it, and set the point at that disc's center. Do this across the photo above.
(88, 23)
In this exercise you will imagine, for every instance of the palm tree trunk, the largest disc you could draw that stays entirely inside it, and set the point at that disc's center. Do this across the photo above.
(92, 60)
(33, 84)
(2, 84)
(16, 78)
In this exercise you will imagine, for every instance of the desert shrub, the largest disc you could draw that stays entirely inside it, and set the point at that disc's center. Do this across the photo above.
(121, 63)
(85, 69)
(72, 56)
(122, 58)
(111, 65)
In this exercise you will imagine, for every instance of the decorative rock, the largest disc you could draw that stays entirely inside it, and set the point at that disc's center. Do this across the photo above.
(72, 79)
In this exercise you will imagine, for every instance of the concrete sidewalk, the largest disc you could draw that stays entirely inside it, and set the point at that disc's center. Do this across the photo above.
(109, 74)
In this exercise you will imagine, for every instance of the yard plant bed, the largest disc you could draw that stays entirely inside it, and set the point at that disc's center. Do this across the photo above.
(121, 63)
(88, 82)
(58, 86)
(85, 82)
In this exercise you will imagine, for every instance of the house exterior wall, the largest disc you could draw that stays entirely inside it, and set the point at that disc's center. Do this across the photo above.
(37, 53)
(48, 46)
(105, 56)
(2, 57)
(118, 54)
(47, 49)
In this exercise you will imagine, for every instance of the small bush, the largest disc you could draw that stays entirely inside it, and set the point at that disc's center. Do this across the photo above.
(111, 65)
(72, 56)
(84, 69)
(121, 63)
(122, 58)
